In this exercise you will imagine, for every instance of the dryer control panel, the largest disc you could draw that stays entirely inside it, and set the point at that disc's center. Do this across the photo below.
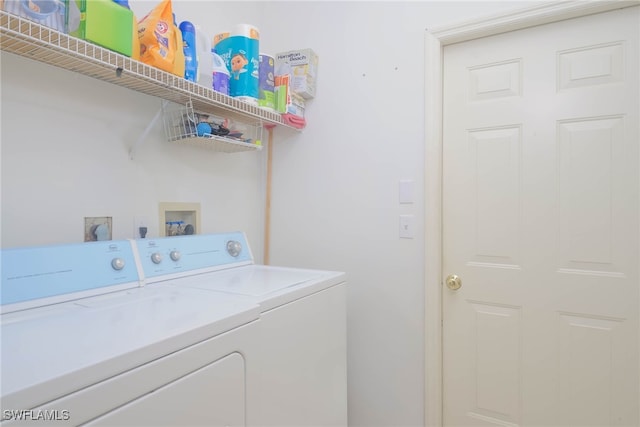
(60, 272)
(183, 255)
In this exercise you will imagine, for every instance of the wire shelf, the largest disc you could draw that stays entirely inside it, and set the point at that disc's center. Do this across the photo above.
(182, 125)
(31, 40)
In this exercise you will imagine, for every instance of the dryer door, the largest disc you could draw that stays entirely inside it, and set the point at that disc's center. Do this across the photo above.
(212, 395)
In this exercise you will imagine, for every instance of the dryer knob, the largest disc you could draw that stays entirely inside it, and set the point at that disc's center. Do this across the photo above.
(234, 248)
(175, 255)
(156, 257)
(117, 263)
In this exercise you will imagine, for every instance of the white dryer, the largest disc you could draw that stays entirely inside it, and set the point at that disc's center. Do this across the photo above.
(302, 329)
(184, 330)
(84, 344)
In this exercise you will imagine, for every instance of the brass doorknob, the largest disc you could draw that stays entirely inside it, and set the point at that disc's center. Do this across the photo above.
(453, 282)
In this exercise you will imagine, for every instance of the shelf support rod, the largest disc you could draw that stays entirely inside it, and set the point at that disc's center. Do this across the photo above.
(267, 209)
(143, 136)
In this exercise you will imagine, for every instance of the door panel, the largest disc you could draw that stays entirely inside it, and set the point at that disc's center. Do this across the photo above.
(540, 221)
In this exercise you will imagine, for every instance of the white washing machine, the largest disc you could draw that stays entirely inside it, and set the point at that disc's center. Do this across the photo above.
(83, 343)
(171, 331)
(302, 343)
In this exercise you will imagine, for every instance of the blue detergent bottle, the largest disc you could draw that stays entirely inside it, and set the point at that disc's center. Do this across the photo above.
(188, 31)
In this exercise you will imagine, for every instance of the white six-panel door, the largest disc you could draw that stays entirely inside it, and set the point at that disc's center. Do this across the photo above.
(541, 223)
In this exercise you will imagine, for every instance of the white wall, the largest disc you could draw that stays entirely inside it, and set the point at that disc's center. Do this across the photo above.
(65, 142)
(335, 205)
(335, 197)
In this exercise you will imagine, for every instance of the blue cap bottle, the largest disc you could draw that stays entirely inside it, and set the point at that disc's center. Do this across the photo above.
(123, 3)
(189, 49)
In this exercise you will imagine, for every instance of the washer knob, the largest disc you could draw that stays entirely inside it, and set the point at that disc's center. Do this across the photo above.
(175, 255)
(234, 248)
(156, 257)
(117, 263)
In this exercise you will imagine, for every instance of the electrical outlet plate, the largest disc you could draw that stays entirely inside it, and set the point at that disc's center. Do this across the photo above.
(138, 222)
(407, 225)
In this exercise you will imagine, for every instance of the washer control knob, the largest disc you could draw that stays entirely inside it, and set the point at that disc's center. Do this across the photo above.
(175, 255)
(156, 257)
(117, 263)
(234, 248)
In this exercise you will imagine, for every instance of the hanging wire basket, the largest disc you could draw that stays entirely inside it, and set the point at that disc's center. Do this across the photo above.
(183, 124)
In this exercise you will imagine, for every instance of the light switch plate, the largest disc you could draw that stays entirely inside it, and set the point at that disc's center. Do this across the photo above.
(405, 190)
(407, 226)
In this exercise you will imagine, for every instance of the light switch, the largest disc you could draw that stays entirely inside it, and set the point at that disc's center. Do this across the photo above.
(405, 189)
(407, 225)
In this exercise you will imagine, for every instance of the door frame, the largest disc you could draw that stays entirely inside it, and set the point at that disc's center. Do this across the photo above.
(435, 41)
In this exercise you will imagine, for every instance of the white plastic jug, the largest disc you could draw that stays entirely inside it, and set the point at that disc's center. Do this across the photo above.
(205, 62)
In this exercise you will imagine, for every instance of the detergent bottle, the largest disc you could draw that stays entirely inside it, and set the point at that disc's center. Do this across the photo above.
(189, 48)
(205, 61)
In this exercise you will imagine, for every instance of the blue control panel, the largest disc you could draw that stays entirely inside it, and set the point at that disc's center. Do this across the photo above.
(47, 271)
(179, 254)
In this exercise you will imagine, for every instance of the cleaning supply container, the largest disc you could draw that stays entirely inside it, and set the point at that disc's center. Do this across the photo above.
(189, 48)
(266, 97)
(220, 74)
(205, 61)
(102, 22)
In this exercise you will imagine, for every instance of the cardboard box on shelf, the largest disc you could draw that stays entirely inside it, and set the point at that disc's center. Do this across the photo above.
(295, 105)
(304, 70)
(281, 92)
(102, 22)
(286, 101)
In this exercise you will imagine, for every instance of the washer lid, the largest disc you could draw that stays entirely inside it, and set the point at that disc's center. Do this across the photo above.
(50, 351)
(267, 286)
(253, 280)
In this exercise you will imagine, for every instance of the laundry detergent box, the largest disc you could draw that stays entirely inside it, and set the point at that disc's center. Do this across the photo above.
(304, 70)
(281, 95)
(50, 13)
(102, 22)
